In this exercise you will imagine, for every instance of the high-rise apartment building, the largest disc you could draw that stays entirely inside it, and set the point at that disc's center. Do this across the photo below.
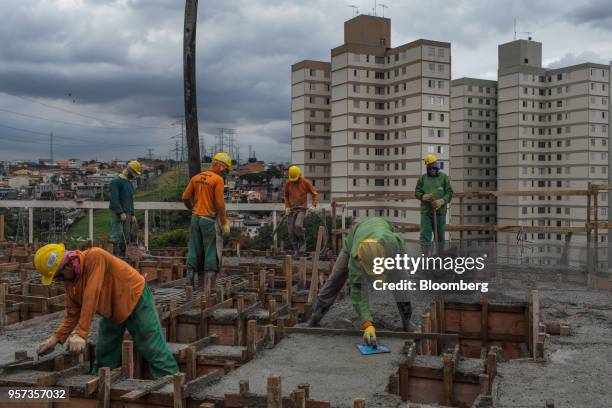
(552, 134)
(389, 108)
(473, 150)
(310, 122)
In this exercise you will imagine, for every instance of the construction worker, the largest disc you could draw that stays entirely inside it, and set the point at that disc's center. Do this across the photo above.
(297, 189)
(435, 192)
(204, 196)
(122, 207)
(369, 239)
(98, 282)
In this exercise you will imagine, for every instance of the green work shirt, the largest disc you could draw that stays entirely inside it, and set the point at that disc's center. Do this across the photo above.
(439, 187)
(359, 281)
(121, 196)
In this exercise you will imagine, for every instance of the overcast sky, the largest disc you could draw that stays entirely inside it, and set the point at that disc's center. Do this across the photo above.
(106, 76)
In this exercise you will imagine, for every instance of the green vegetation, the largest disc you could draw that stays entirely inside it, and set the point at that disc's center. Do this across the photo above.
(167, 187)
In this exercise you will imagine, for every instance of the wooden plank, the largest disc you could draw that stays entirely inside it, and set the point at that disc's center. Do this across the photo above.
(92, 385)
(302, 272)
(147, 389)
(197, 384)
(314, 278)
(274, 392)
(448, 371)
(199, 344)
(288, 265)
(251, 338)
(228, 303)
(104, 387)
(127, 358)
(51, 379)
(379, 334)
(190, 362)
(535, 321)
(178, 397)
(359, 403)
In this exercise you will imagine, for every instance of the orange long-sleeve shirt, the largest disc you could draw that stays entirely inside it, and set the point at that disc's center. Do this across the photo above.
(296, 193)
(206, 191)
(107, 285)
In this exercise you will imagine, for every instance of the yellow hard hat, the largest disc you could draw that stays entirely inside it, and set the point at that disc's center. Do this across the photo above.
(429, 159)
(223, 158)
(368, 250)
(47, 260)
(135, 166)
(294, 173)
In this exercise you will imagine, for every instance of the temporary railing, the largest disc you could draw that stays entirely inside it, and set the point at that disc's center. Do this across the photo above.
(138, 206)
(591, 226)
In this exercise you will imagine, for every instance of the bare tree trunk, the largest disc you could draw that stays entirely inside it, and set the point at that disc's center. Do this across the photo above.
(189, 77)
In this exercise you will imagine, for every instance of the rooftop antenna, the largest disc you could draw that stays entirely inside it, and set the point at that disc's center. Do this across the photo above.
(529, 33)
(355, 9)
(375, 7)
(515, 28)
(383, 6)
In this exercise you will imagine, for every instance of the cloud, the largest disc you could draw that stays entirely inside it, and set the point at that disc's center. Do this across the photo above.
(597, 13)
(121, 61)
(570, 59)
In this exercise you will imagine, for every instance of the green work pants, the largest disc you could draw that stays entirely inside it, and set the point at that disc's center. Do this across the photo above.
(202, 254)
(427, 226)
(145, 328)
(117, 237)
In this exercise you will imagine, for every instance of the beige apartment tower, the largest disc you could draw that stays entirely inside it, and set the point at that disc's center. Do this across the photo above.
(552, 134)
(310, 123)
(473, 151)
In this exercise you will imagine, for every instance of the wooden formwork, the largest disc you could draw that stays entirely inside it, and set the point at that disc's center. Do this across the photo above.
(445, 380)
(514, 328)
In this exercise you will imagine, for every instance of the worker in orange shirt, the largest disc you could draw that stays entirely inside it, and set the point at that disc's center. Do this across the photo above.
(98, 282)
(204, 196)
(297, 189)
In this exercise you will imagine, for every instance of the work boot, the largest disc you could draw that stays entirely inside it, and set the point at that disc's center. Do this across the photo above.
(317, 314)
(405, 310)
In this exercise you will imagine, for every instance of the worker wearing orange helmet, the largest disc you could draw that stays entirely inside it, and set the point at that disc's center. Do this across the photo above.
(297, 189)
(98, 282)
(434, 191)
(122, 207)
(204, 196)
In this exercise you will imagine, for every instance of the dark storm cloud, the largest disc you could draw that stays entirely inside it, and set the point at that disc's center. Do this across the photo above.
(598, 13)
(121, 60)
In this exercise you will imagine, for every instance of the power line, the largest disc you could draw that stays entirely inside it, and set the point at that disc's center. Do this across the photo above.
(81, 114)
(105, 128)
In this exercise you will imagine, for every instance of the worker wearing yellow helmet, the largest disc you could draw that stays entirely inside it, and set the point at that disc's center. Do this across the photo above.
(122, 207)
(367, 241)
(96, 282)
(205, 197)
(434, 191)
(297, 189)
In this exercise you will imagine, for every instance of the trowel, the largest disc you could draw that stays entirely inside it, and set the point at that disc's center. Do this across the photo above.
(367, 350)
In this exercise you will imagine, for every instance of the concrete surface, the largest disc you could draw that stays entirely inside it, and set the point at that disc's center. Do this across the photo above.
(332, 365)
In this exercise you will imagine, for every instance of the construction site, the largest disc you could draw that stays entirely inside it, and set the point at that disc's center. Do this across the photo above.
(538, 337)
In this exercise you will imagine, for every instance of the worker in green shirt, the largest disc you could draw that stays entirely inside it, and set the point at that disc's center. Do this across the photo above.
(369, 239)
(434, 191)
(122, 207)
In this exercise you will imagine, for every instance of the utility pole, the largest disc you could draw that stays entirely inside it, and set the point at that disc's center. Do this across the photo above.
(150, 153)
(189, 79)
(51, 147)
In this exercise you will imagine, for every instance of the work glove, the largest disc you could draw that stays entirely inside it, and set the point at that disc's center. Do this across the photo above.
(75, 343)
(134, 220)
(123, 217)
(369, 334)
(437, 203)
(312, 209)
(427, 198)
(287, 211)
(47, 345)
(226, 229)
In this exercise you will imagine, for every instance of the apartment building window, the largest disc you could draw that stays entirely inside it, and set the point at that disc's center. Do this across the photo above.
(469, 100)
(355, 137)
(431, 83)
(313, 86)
(379, 90)
(356, 88)
(355, 119)
(441, 52)
(379, 152)
(379, 182)
(356, 104)
(379, 75)
(356, 57)
(440, 67)
(432, 67)
(312, 127)
(441, 84)
(431, 132)
(429, 116)
(431, 51)
(312, 114)
(442, 117)
(379, 60)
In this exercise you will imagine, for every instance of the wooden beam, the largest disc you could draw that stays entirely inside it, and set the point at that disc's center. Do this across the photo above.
(147, 389)
(127, 358)
(302, 272)
(448, 373)
(359, 403)
(198, 344)
(178, 397)
(314, 279)
(251, 338)
(288, 267)
(380, 334)
(197, 384)
(50, 379)
(190, 362)
(104, 387)
(275, 396)
(92, 385)
(535, 321)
